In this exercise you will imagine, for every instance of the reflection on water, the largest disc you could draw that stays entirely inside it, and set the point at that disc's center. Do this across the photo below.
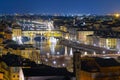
(53, 43)
(66, 52)
(52, 46)
(71, 52)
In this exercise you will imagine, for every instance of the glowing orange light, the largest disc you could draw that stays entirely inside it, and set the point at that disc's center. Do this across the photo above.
(117, 15)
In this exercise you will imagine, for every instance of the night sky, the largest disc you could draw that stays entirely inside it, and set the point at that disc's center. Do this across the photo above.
(60, 6)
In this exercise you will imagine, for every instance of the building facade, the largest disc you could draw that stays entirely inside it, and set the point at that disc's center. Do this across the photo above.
(82, 35)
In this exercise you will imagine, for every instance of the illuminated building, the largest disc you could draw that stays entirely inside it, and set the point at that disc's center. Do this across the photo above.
(112, 42)
(14, 73)
(31, 53)
(26, 51)
(93, 40)
(72, 33)
(8, 35)
(63, 28)
(5, 70)
(1, 75)
(65, 33)
(69, 32)
(108, 42)
(82, 35)
(16, 30)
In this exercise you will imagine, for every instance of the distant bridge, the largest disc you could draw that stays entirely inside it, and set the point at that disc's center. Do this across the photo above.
(89, 48)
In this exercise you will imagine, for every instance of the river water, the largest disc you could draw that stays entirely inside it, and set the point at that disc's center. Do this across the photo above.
(53, 47)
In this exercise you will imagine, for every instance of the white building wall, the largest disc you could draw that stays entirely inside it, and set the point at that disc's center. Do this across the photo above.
(21, 75)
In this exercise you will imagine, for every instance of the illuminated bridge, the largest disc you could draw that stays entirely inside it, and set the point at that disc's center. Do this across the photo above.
(88, 48)
(32, 30)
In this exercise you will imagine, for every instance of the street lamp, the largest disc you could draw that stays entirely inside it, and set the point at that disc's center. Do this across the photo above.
(66, 37)
(46, 60)
(108, 47)
(54, 62)
(103, 52)
(117, 15)
(63, 65)
(48, 55)
(85, 53)
(94, 44)
(58, 53)
(94, 53)
(118, 52)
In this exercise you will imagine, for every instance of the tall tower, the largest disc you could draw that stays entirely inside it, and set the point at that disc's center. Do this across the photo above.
(77, 64)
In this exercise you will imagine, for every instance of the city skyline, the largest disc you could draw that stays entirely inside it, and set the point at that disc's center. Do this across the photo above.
(59, 46)
(60, 6)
